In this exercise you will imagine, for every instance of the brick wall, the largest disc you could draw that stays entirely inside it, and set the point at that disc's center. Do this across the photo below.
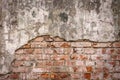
(53, 58)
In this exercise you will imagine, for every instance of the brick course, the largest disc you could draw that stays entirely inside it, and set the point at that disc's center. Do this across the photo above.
(54, 58)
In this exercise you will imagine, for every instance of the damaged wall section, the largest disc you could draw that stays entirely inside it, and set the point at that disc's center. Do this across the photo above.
(46, 57)
(23, 20)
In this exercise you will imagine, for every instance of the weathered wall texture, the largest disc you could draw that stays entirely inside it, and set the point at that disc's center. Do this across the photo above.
(22, 20)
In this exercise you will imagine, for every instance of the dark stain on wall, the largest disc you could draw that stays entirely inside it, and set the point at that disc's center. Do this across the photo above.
(119, 34)
(63, 16)
(34, 14)
(115, 6)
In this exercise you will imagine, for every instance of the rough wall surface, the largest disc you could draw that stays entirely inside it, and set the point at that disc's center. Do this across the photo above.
(22, 20)
(52, 58)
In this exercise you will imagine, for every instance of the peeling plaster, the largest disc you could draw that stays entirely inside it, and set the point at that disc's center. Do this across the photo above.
(23, 20)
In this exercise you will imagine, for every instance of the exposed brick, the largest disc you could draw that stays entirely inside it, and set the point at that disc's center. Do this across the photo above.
(27, 46)
(41, 69)
(57, 59)
(48, 51)
(89, 68)
(78, 69)
(39, 44)
(25, 57)
(61, 44)
(17, 63)
(74, 63)
(48, 38)
(19, 51)
(38, 39)
(55, 76)
(89, 51)
(102, 45)
(28, 51)
(79, 50)
(20, 69)
(116, 76)
(87, 76)
(14, 76)
(58, 39)
(76, 76)
(79, 57)
(60, 57)
(116, 44)
(80, 44)
(58, 63)
(38, 51)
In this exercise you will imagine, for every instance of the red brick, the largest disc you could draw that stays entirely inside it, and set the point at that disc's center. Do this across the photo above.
(58, 50)
(74, 63)
(105, 75)
(96, 57)
(63, 50)
(29, 76)
(55, 76)
(14, 76)
(116, 76)
(76, 76)
(59, 69)
(40, 64)
(20, 69)
(116, 44)
(109, 51)
(48, 51)
(19, 51)
(48, 38)
(17, 63)
(46, 57)
(38, 51)
(79, 57)
(98, 76)
(89, 51)
(27, 46)
(117, 50)
(58, 63)
(65, 45)
(89, 68)
(68, 50)
(70, 63)
(87, 76)
(99, 45)
(61, 44)
(79, 50)
(38, 39)
(79, 69)
(89, 63)
(25, 57)
(42, 57)
(45, 75)
(41, 69)
(59, 57)
(58, 39)
(39, 44)
(81, 44)
(28, 51)
(48, 63)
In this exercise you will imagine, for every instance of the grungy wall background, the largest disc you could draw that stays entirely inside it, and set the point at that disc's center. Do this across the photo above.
(23, 20)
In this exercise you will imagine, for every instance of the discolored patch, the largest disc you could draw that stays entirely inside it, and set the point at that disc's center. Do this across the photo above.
(64, 17)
